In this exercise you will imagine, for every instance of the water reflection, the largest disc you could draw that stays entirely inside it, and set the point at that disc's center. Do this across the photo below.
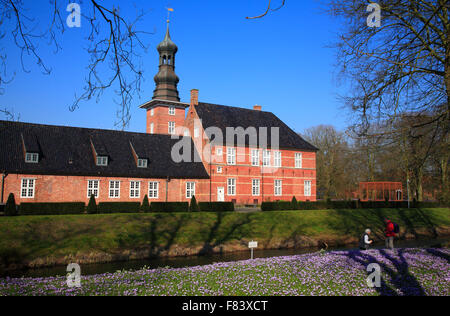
(180, 262)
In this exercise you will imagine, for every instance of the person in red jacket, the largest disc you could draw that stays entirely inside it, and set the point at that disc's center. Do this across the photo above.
(390, 234)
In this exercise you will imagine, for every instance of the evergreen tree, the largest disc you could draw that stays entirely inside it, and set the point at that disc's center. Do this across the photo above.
(10, 208)
(92, 206)
(145, 207)
(194, 206)
(294, 203)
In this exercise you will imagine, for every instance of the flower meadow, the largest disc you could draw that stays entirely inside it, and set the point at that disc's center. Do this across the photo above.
(344, 273)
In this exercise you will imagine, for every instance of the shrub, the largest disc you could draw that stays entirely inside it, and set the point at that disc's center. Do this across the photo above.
(92, 206)
(118, 207)
(145, 207)
(169, 207)
(216, 207)
(294, 204)
(194, 206)
(10, 207)
(70, 208)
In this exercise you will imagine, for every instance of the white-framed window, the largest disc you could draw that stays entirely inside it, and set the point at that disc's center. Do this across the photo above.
(31, 158)
(93, 188)
(171, 128)
(152, 128)
(255, 157)
(231, 156)
(102, 161)
(190, 190)
(142, 163)
(219, 169)
(256, 187)
(277, 159)
(266, 158)
(135, 189)
(278, 188)
(114, 189)
(308, 185)
(153, 190)
(219, 151)
(186, 133)
(152, 112)
(171, 110)
(196, 132)
(27, 188)
(231, 187)
(298, 160)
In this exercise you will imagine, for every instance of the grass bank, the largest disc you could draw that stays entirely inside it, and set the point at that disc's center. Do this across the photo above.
(36, 241)
(415, 272)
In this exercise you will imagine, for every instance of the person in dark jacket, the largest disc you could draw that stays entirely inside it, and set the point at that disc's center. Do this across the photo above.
(365, 241)
(390, 234)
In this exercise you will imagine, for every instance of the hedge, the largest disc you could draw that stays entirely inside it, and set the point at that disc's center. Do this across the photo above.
(70, 208)
(118, 207)
(216, 206)
(160, 207)
(351, 204)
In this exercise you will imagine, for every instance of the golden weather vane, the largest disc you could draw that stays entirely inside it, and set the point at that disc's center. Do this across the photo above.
(168, 14)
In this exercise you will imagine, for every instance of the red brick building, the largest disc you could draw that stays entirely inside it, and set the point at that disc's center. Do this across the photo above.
(215, 152)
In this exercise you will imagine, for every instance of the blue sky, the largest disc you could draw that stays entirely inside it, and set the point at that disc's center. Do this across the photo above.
(281, 62)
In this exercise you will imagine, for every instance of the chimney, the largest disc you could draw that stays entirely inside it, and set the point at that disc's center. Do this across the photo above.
(257, 108)
(194, 97)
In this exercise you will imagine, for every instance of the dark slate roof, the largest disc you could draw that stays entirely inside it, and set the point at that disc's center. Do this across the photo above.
(68, 151)
(226, 116)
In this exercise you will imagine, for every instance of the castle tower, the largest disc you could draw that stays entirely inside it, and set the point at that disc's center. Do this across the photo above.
(165, 112)
(166, 80)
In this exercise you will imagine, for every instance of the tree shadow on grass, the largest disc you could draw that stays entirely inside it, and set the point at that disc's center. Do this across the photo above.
(400, 277)
(439, 254)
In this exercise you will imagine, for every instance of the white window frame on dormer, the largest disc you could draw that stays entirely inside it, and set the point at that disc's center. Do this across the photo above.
(27, 188)
(277, 159)
(298, 160)
(31, 157)
(135, 189)
(93, 188)
(114, 189)
(171, 110)
(255, 157)
(172, 128)
(142, 163)
(231, 156)
(102, 161)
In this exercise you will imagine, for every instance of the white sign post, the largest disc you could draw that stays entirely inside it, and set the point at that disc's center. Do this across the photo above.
(252, 245)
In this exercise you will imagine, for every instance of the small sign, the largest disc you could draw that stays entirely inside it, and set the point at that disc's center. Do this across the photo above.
(253, 244)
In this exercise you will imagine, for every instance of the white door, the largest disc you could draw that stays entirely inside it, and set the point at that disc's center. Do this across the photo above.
(221, 194)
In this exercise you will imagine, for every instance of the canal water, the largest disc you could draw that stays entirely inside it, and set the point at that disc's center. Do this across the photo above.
(180, 262)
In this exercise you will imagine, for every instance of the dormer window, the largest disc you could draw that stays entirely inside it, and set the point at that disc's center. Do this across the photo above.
(102, 161)
(32, 158)
(142, 163)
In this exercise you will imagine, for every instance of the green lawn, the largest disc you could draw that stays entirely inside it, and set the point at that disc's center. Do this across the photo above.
(41, 240)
